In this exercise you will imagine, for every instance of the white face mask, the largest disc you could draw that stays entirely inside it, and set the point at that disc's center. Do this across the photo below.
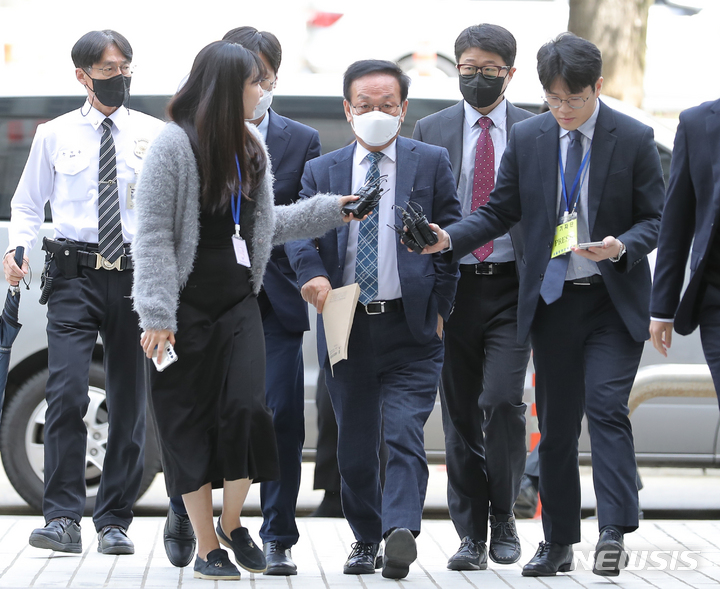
(263, 105)
(375, 128)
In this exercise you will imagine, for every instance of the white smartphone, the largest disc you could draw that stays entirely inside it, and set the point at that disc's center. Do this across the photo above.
(584, 246)
(169, 357)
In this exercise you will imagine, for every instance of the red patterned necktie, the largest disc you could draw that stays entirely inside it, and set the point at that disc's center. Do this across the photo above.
(483, 177)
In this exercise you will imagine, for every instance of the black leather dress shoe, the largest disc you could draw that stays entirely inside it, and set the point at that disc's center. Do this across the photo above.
(504, 541)
(114, 540)
(527, 500)
(549, 559)
(179, 539)
(61, 534)
(610, 555)
(364, 558)
(471, 556)
(279, 559)
(400, 553)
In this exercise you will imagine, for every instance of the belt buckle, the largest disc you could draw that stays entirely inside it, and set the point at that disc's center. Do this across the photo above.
(481, 270)
(381, 304)
(101, 262)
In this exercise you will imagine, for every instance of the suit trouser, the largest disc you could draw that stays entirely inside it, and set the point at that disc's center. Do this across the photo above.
(327, 475)
(483, 412)
(97, 301)
(709, 319)
(285, 396)
(389, 375)
(585, 362)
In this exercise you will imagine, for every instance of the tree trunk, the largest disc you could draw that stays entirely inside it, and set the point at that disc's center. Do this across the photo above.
(618, 28)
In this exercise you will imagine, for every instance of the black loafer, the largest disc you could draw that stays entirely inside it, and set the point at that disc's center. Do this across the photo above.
(610, 555)
(471, 556)
(247, 554)
(550, 558)
(114, 540)
(279, 559)
(400, 553)
(504, 541)
(61, 534)
(179, 539)
(217, 567)
(364, 558)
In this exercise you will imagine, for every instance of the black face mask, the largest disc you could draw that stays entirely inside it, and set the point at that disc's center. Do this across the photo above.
(113, 91)
(480, 92)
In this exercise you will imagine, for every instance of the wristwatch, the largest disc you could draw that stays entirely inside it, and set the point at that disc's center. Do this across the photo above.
(623, 249)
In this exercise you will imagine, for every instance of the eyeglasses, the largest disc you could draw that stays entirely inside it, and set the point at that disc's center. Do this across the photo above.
(111, 70)
(388, 109)
(575, 102)
(267, 85)
(489, 72)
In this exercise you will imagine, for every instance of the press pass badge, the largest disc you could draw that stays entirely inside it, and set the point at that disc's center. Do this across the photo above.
(130, 197)
(565, 236)
(241, 251)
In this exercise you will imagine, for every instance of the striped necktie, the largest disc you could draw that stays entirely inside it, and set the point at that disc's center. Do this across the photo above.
(110, 236)
(366, 263)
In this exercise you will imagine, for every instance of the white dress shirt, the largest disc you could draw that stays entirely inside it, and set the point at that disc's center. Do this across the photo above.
(63, 168)
(388, 277)
(502, 246)
(579, 267)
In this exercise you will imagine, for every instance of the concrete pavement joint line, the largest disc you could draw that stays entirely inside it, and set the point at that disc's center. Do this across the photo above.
(7, 568)
(428, 575)
(150, 556)
(110, 572)
(317, 558)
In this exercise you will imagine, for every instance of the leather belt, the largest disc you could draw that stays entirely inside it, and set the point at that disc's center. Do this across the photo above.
(380, 307)
(586, 281)
(97, 262)
(488, 268)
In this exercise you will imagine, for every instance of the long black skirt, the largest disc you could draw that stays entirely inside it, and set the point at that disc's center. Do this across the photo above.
(210, 406)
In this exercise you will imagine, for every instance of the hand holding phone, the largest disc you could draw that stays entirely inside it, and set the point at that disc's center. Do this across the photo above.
(168, 357)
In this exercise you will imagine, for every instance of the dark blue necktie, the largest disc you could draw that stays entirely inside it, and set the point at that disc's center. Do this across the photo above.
(366, 263)
(552, 285)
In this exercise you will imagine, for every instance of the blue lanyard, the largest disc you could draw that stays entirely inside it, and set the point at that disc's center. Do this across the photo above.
(578, 180)
(235, 201)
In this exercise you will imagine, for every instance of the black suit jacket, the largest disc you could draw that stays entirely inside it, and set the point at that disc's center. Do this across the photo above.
(290, 144)
(692, 206)
(445, 128)
(625, 195)
(428, 283)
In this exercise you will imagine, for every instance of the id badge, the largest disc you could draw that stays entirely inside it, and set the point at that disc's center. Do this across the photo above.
(565, 236)
(241, 251)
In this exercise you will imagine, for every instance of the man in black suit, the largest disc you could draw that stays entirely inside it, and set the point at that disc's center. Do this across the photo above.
(483, 375)
(586, 308)
(691, 218)
(387, 386)
(285, 318)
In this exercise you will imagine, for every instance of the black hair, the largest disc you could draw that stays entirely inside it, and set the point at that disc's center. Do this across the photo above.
(576, 61)
(490, 38)
(260, 42)
(366, 67)
(210, 109)
(89, 48)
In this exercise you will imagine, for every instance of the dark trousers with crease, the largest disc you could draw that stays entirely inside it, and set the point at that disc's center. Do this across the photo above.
(387, 387)
(709, 318)
(585, 363)
(285, 396)
(482, 400)
(97, 301)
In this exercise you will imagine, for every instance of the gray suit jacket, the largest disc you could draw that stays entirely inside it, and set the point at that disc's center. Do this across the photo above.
(445, 128)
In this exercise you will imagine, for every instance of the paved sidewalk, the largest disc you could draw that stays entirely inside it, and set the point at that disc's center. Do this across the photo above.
(671, 548)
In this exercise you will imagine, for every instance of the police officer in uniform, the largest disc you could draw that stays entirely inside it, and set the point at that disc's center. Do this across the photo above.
(86, 164)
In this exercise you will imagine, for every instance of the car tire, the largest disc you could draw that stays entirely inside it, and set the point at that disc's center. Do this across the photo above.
(21, 439)
(407, 64)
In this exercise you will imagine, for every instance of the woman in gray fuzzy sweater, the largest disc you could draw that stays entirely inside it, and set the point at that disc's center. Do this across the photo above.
(206, 226)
